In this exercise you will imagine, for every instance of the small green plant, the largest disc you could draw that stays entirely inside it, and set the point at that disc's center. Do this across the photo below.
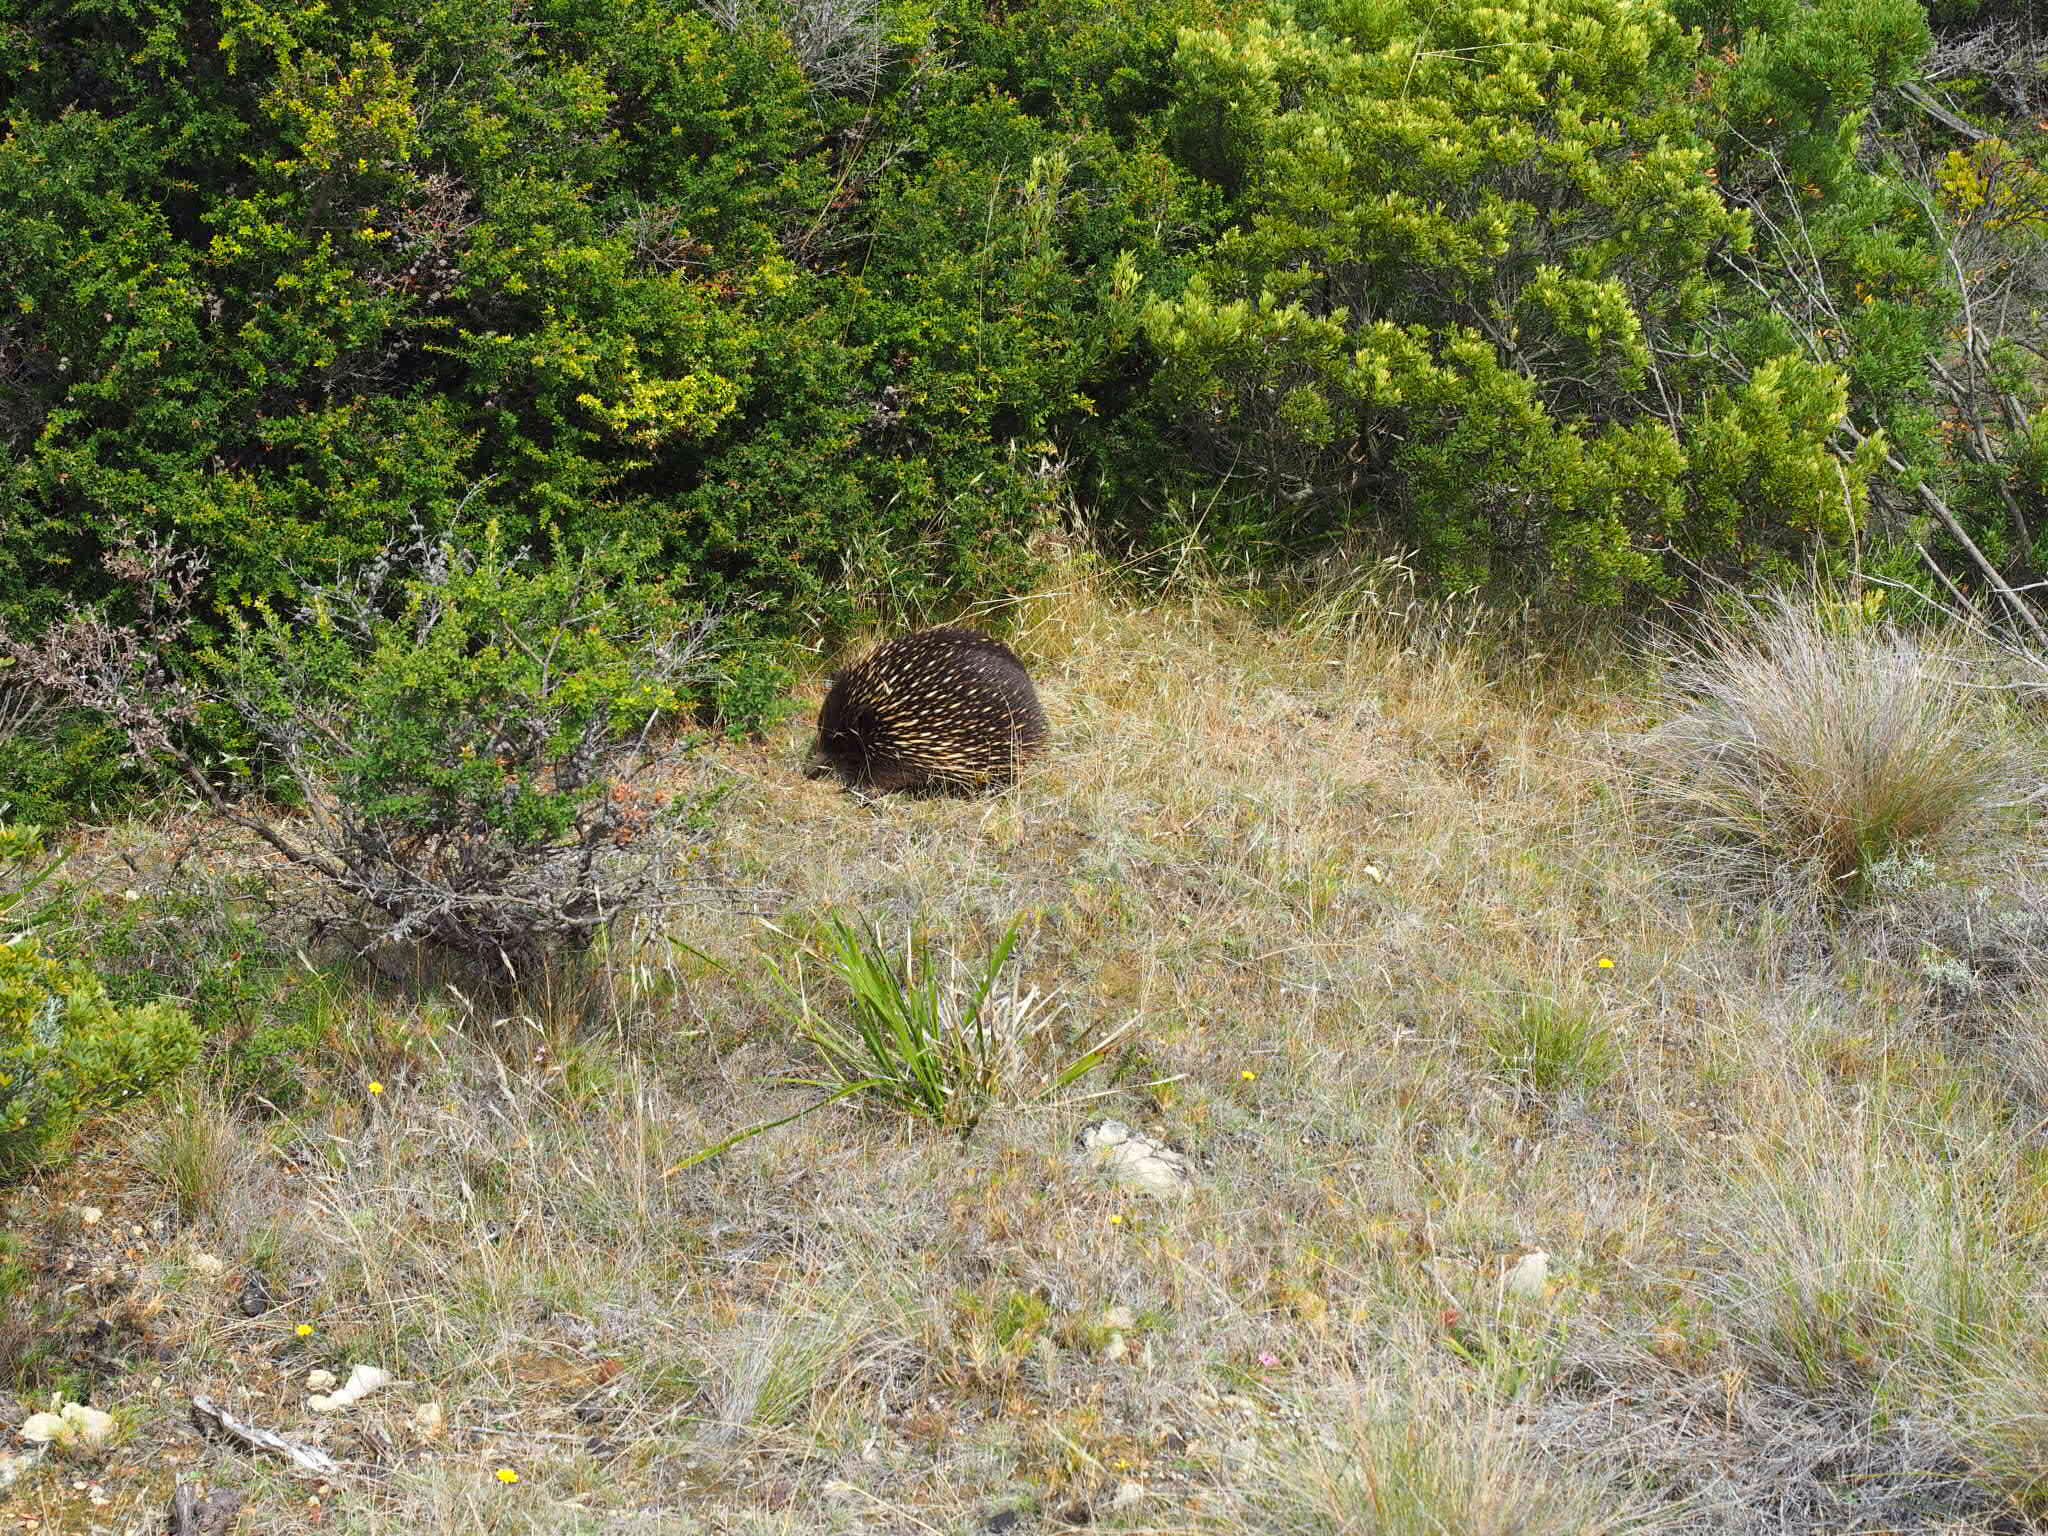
(1549, 1045)
(918, 1046)
(24, 870)
(66, 1048)
(916, 1039)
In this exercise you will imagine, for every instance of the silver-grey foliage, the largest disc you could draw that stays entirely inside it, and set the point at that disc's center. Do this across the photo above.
(838, 43)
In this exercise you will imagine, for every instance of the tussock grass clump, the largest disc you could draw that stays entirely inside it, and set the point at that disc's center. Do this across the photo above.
(1550, 1045)
(1800, 751)
(1877, 1263)
(191, 1153)
(1417, 1460)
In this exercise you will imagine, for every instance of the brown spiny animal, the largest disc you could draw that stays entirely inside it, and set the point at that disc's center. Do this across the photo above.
(940, 710)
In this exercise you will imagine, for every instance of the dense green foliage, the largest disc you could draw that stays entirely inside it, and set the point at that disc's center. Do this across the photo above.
(1464, 297)
(1570, 296)
(286, 279)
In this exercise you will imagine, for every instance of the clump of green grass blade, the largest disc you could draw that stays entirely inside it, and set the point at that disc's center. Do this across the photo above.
(1802, 748)
(1551, 1045)
(913, 1039)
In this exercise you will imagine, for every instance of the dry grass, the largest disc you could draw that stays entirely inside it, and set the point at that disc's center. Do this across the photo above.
(1346, 892)
(1802, 749)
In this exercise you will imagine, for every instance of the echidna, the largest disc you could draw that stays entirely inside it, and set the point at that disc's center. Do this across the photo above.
(943, 709)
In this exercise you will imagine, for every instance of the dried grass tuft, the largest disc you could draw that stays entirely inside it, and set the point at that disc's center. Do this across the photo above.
(1801, 750)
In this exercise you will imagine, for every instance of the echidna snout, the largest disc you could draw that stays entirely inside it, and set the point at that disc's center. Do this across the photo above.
(943, 709)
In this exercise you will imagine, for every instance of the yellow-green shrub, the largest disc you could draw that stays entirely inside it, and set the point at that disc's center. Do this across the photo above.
(66, 1048)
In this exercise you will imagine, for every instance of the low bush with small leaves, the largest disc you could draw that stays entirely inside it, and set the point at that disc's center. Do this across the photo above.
(66, 1048)
(480, 743)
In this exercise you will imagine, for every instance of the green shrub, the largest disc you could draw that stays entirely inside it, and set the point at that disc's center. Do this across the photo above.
(612, 276)
(1464, 305)
(66, 1048)
(478, 741)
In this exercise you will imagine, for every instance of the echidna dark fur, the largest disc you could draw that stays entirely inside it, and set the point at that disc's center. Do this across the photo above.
(945, 710)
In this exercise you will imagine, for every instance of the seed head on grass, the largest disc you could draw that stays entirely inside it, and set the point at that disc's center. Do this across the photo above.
(1798, 751)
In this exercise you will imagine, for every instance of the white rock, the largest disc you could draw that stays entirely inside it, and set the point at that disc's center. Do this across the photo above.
(362, 1381)
(1120, 1317)
(1530, 1278)
(428, 1422)
(90, 1215)
(1129, 1492)
(1116, 1348)
(89, 1426)
(207, 1266)
(1134, 1160)
(73, 1424)
(321, 1381)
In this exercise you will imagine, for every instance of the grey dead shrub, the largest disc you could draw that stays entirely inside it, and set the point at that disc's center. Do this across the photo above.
(1803, 746)
(838, 43)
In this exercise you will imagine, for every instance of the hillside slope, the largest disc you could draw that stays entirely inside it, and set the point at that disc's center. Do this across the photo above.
(1388, 948)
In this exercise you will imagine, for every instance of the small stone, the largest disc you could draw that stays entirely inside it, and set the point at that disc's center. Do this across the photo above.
(256, 1298)
(207, 1267)
(1134, 1160)
(1120, 1317)
(321, 1381)
(1129, 1493)
(428, 1422)
(1529, 1279)
(1116, 1348)
(90, 1215)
